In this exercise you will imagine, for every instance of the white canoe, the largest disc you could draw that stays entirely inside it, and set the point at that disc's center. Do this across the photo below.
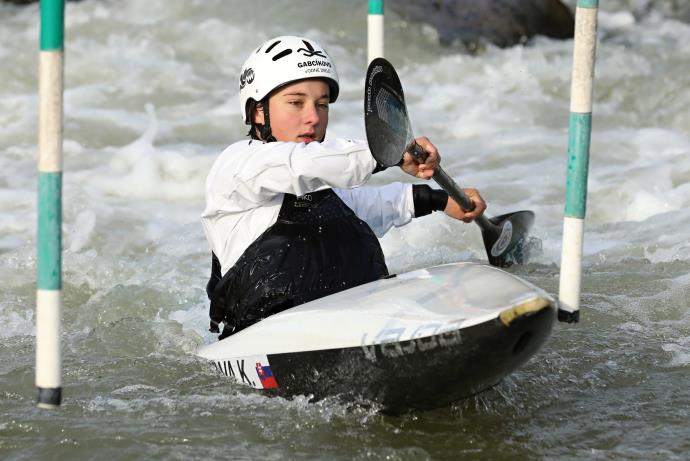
(417, 340)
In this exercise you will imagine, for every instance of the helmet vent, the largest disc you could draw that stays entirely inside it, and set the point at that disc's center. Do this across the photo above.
(282, 54)
(268, 50)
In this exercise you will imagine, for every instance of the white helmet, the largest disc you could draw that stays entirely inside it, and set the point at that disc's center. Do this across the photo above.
(280, 61)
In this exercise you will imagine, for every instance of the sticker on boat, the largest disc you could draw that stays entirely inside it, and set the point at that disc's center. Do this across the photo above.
(254, 371)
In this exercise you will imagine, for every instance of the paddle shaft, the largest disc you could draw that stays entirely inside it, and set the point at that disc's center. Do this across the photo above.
(450, 186)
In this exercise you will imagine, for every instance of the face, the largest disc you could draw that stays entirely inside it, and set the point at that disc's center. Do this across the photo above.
(298, 112)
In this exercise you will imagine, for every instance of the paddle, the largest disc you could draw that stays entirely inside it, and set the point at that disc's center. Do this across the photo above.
(390, 135)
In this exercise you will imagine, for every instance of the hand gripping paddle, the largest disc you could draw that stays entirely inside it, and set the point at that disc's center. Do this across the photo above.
(390, 135)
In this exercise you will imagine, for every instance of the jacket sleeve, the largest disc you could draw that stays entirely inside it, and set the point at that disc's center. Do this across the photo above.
(381, 207)
(249, 174)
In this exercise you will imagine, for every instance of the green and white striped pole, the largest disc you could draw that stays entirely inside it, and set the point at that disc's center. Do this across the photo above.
(49, 238)
(580, 129)
(375, 30)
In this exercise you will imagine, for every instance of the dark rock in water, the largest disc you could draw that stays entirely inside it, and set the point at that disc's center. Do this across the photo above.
(501, 22)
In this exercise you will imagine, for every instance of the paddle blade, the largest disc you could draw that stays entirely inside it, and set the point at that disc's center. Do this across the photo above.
(507, 242)
(385, 114)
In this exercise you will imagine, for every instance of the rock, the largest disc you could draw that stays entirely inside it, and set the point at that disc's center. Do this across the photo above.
(501, 22)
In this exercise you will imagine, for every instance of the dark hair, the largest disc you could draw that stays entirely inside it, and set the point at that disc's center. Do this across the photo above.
(260, 132)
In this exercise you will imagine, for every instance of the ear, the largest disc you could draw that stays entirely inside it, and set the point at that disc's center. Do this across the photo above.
(258, 115)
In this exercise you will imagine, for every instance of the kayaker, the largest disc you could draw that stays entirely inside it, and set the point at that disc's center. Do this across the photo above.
(285, 216)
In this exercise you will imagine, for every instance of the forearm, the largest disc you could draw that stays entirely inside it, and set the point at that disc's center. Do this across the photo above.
(301, 168)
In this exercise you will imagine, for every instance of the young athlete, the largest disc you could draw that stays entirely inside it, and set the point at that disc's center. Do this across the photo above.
(285, 216)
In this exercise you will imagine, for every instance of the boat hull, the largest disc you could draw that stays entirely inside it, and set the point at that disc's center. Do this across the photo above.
(417, 374)
(379, 343)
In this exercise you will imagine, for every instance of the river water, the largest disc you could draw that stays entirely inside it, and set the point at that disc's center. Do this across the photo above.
(150, 101)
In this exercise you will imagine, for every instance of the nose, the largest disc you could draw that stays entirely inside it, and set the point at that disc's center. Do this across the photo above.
(311, 114)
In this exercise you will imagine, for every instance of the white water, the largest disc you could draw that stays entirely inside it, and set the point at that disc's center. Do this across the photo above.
(150, 101)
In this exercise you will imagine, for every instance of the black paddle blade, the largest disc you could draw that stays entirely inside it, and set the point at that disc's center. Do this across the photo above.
(508, 243)
(385, 114)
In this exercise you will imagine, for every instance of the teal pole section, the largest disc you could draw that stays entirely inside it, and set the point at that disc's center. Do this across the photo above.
(580, 129)
(49, 232)
(375, 6)
(588, 3)
(52, 24)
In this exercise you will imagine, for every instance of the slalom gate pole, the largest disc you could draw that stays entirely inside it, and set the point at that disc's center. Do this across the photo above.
(579, 136)
(49, 238)
(375, 30)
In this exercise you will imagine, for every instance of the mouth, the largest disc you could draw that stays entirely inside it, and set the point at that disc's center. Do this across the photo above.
(306, 137)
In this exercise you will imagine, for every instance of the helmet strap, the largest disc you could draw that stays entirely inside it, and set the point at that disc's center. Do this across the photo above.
(264, 130)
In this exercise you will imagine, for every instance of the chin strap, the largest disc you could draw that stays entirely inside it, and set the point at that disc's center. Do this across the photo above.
(265, 133)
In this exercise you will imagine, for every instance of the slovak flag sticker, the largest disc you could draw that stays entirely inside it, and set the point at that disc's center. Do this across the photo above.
(266, 376)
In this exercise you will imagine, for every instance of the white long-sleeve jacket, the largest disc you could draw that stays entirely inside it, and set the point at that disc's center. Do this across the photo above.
(246, 184)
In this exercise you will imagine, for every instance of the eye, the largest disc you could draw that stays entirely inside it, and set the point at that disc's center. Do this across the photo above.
(322, 105)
